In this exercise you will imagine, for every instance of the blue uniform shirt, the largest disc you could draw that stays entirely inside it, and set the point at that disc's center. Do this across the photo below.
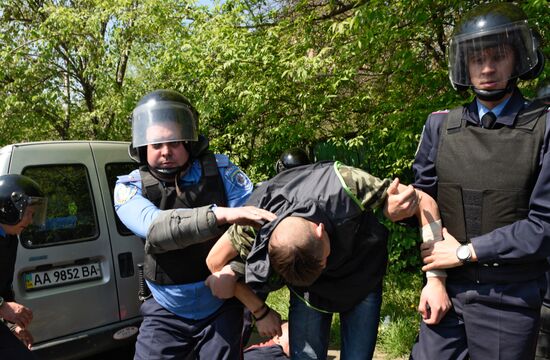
(497, 110)
(194, 301)
(527, 239)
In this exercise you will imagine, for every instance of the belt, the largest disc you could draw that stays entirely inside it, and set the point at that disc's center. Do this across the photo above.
(499, 273)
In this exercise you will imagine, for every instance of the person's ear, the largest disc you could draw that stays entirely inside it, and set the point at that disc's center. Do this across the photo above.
(319, 230)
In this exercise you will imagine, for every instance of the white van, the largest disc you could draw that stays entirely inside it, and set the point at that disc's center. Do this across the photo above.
(79, 272)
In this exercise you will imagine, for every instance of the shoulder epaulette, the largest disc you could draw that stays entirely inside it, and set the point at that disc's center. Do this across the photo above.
(446, 111)
(132, 177)
(222, 160)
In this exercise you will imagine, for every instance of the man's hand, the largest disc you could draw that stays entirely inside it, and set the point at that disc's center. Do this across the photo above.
(434, 301)
(24, 335)
(222, 283)
(16, 313)
(270, 325)
(442, 254)
(402, 201)
(245, 215)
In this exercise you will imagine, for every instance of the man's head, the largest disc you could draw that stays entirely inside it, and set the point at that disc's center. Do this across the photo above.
(21, 203)
(163, 122)
(491, 68)
(491, 48)
(298, 250)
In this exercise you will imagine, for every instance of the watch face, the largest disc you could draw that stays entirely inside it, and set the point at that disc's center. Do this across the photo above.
(463, 253)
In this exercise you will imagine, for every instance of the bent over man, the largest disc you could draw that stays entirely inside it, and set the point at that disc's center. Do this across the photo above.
(327, 246)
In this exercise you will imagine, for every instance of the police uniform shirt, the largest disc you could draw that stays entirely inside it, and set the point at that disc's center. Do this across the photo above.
(497, 110)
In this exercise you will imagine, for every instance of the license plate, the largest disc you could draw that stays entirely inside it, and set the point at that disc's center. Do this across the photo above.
(62, 276)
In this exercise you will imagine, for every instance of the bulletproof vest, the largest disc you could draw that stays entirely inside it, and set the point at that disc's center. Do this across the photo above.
(486, 176)
(358, 241)
(186, 265)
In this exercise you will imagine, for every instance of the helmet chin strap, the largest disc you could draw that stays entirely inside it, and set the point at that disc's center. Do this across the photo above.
(495, 95)
(166, 174)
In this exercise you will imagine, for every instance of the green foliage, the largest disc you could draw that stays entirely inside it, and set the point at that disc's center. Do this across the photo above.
(400, 320)
(403, 248)
(63, 72)
(396, 338)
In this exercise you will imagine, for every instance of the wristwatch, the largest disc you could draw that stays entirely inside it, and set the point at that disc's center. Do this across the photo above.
(1, 301)
(463, 253)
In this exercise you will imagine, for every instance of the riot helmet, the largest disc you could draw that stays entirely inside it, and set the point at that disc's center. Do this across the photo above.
(291, 158)
(17, 194)
(500, 31)
(162, 116)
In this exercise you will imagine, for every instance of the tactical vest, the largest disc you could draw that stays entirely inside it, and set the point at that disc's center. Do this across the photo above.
(486, 176)
(358, 241)
(186, 265)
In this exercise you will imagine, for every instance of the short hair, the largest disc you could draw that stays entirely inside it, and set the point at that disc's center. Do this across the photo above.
(295, 252)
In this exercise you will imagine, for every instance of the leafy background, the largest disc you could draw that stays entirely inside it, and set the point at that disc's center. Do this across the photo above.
(352, 80)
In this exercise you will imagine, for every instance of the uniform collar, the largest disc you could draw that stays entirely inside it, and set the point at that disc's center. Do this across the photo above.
(507, 114)
(497, 110)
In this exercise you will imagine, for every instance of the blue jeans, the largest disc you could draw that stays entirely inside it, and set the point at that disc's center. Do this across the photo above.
(309, 329)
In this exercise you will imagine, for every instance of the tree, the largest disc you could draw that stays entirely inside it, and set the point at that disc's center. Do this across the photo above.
(64, 68)
(331, 76)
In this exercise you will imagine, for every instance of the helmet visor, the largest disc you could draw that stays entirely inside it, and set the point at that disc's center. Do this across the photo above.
(501, 44)
(161, 122)
(38, 206)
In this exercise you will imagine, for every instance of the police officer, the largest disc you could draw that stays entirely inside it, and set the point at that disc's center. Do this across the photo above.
(542, 103)
(291, 158)
(179, 200)
(489, 169)
(21, 203)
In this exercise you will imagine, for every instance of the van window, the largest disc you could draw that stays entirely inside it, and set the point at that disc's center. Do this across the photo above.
(113, 170)
(71, 214)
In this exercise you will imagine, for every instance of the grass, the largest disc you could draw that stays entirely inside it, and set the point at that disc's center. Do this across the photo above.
(399, 319)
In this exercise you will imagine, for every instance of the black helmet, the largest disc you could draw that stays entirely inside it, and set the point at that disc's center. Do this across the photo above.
(162, 108)
(498, 26)
(291, 158)
(17, 192)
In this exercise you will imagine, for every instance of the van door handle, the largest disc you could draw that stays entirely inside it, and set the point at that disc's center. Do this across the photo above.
(126, 264)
